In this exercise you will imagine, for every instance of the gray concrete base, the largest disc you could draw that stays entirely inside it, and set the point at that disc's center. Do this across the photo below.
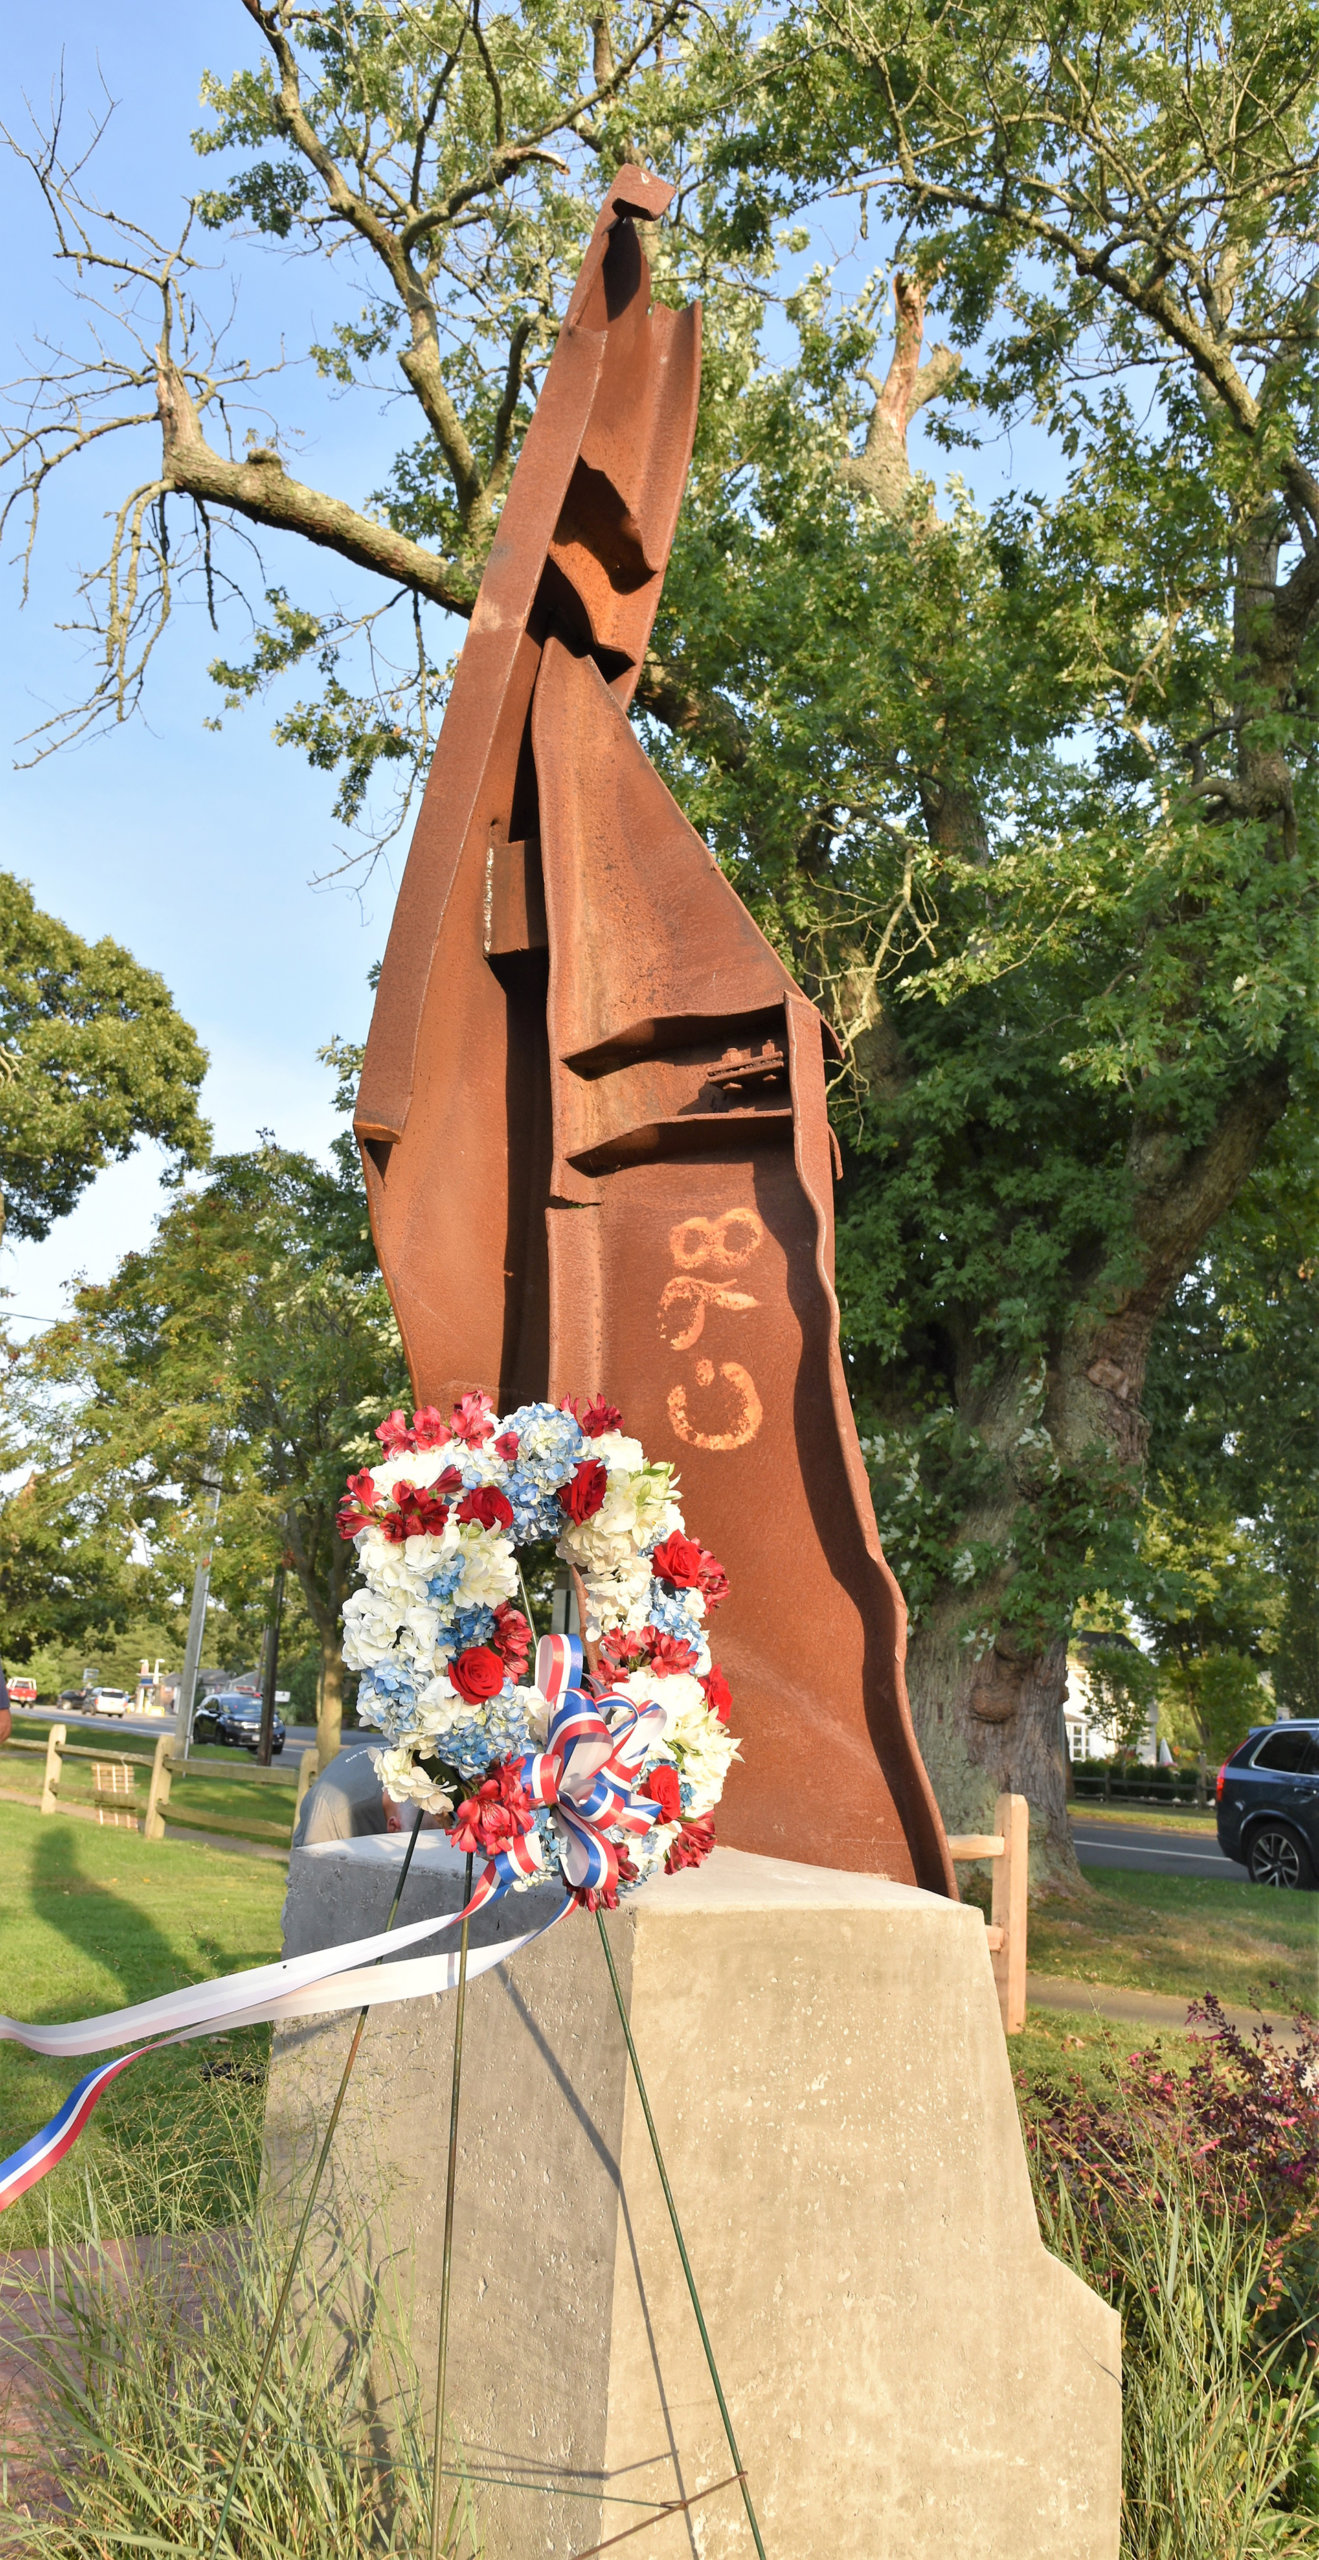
(910, 2373)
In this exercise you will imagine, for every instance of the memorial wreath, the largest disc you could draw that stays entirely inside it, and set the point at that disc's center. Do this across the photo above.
(602, 1776)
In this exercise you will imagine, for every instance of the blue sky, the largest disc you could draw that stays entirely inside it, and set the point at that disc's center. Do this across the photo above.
(198, 851)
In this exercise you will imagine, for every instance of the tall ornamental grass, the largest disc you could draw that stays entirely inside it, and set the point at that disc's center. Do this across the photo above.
(137, 2364)
(1190, 2200)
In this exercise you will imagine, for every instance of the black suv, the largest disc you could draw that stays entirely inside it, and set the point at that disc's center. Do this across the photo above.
(1268, 1805)
(234, 1716)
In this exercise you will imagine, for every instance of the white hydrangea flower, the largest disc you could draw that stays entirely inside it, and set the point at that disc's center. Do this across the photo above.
(371, 1624)
(535, 1710)
(617, 1451)
(490, 1571)
(407, 1782)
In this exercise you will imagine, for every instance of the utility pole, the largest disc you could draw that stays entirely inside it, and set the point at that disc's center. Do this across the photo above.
(270, 1668)
(201, 1583)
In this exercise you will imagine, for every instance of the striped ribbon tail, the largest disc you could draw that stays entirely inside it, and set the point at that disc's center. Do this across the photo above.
(312, 1987)
(46, 2149)
(558, 1666)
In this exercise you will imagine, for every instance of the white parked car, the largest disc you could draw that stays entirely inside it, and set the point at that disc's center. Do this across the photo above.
(109, 1702)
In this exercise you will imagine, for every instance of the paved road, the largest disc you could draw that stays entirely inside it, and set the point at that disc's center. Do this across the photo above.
(1155, 1853)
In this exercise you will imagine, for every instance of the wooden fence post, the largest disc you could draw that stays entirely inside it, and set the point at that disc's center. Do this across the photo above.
(1011, 1889)
(50, 1785)
(158, 1792)
(309, 1768)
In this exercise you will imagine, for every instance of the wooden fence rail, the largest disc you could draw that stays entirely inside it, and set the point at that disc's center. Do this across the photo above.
(1009, 1846)
(165, 1768)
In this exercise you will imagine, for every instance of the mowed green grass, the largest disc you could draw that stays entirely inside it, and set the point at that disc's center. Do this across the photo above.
(92, 1920)
(1184, 1935)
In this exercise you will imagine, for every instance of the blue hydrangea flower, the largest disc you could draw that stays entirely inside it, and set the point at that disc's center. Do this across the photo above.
(550, 1444)
(470, 1626)
(672, 1612)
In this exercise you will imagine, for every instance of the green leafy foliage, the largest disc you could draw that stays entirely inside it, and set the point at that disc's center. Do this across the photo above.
(93, 1058)
(254, 1333)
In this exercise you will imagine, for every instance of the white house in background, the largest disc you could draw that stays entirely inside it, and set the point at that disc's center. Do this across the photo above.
(1086, 1736)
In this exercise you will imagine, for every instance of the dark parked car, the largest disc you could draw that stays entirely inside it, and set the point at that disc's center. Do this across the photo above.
(234, 1716)
(1268, 1805)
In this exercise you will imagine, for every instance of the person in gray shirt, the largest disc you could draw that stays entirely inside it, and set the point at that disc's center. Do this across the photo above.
(345, 1803)
(348, 1801)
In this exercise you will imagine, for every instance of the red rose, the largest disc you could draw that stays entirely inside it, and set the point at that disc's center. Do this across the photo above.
(662, 1788)
(512, 1638)
(718, 1695)
(507, 1446)
(477, 1674)
(679, 1560)
(713, 1579)
(585, 1491)
(471, 1419)
(600, 1417)
(692, 1846)
(393, 1433)
(490, 1508)
(429, 1429)
(500, 1812)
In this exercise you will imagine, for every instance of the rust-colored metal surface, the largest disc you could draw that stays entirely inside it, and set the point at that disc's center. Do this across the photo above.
(592, 1109)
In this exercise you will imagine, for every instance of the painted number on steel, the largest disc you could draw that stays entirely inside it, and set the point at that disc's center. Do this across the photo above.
(716, 1246)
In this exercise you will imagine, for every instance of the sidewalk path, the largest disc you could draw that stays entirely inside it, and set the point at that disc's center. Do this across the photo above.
(1155, 2011)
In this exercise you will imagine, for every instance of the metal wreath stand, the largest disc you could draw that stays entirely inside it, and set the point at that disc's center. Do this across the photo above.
(736, 2478)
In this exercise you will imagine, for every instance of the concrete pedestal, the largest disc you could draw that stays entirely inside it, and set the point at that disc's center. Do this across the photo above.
(910, 2373)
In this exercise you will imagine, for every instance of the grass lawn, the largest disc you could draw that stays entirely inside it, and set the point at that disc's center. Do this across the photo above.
(1184, 1935)
(95, 1920)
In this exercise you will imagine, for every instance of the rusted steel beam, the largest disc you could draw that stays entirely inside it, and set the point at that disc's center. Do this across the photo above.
(593, 1112)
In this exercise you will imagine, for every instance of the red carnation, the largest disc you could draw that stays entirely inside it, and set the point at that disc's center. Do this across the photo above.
(585, 1491)
(471, 1419)
(668, 1653)
(679, 1560)
(618, 1652)
(713, 1579)
(429, 1428)
(662, 1788)
(512, 1638)
(718, 1695)
(477, 1674)
(499, 1813)
(393, 1433)
(507, 1446)
(600, 1417)
(692, 1846)
(418, 1512)
(355, 1510)
(485, 1504)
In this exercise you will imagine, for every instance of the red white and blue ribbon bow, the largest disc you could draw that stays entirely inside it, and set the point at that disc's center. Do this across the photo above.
(585, 1777)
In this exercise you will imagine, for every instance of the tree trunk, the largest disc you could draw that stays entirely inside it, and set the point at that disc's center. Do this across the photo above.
(329, 1699)
(993, 1726)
